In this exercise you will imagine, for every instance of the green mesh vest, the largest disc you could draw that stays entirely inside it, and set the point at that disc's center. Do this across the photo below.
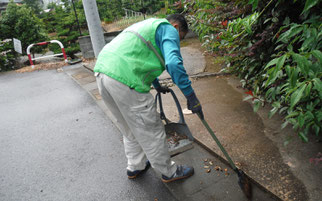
(127, 59)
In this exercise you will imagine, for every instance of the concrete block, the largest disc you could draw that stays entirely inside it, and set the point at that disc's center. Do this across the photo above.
(86, 47)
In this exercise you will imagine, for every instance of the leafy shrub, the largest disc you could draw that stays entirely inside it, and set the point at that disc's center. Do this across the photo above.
(61, 20)
(275, 50)
(7, 55)
(144, 6)
(19, 21)
(34, 5)
(109, 10)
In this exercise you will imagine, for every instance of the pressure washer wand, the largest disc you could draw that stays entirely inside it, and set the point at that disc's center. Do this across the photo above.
(243, 181)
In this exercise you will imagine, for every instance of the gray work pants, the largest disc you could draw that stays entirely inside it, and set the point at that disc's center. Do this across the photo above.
(143, 132)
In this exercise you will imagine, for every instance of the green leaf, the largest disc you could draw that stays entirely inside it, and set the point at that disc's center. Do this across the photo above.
(301, 120)
(287, 141)
(272, 112)
(281, 61)
(309, 4)
(317, 54)
(294, 76)
(271, 63)
(292, 114)
(318, 86)
(307, 43)
(269, 93)
(286, 21)
(319, 116)
(290, 47)
(309, 116)
(303, 136)
(292, 121)
(295, 124)
(289, 70)
(243, 82)
(316, 129)
(297, 95)
(308, 89)
(275, 19)
(267, 20)
(302, 63)
(257, 103)
(255, 4)
(286, 36)
(279, 46)
(248, 97)
(316, 102)
(273, 75)
(283, 110)
(248, 29)
(284, 124)
(276, 104)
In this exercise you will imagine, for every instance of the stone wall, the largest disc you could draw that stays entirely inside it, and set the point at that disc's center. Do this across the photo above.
(86, 47)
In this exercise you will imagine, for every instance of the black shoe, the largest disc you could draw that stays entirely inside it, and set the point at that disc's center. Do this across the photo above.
(135, 173)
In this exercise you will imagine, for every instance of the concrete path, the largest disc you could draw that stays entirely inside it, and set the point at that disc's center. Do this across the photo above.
(214, 185)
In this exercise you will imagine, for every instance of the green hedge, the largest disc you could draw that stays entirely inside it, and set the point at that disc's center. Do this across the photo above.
(7, 55)
(276, 51)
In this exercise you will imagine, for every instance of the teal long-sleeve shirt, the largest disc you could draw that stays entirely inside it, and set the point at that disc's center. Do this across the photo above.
(167, 39)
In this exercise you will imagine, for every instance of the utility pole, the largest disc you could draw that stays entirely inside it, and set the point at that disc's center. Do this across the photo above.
(94, 25)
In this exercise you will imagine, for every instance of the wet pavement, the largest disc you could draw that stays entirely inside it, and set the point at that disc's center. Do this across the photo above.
(254, 141)
(214, 185)
(56, 143)
(275, 159)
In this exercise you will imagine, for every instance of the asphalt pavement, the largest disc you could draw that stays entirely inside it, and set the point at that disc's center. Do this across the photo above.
(56, 143)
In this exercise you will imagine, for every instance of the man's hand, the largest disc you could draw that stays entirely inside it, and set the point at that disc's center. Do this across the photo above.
(163, 90)
(194, 104)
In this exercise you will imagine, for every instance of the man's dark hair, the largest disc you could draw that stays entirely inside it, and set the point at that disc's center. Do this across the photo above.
(179, 19)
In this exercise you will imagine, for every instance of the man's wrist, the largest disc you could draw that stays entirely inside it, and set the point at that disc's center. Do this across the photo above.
(190, 95)
(188, 91)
